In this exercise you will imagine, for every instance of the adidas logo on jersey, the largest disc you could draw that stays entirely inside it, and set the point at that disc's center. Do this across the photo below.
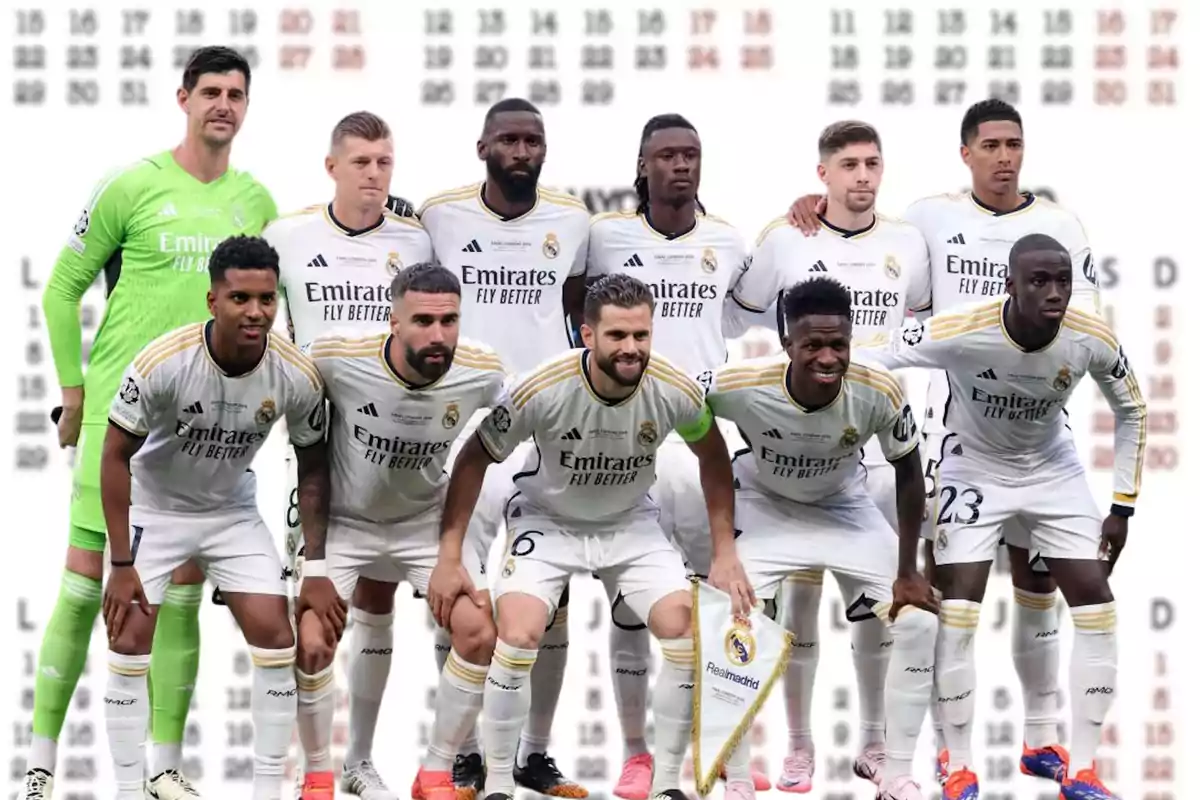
(956, 239)
(572, 436)
(369, 410)
(773, 434)
(194, 408)
(168, 211)
(818, 267)
(987, 375)
(472, 247)
(636, 261)
(319, 261)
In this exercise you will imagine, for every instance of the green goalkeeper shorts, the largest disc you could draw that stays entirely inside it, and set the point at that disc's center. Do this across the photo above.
(87, 513)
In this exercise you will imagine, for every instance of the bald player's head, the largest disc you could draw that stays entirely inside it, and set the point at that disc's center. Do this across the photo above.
(1040, 276)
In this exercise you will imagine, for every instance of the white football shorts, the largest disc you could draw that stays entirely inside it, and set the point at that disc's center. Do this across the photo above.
(630, 555)
(881, 487)
(845, 534)
(232, 546)
(1052, 515)
(391, 553)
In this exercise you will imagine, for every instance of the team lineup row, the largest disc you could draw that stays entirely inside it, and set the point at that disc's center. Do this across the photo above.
(506, 242)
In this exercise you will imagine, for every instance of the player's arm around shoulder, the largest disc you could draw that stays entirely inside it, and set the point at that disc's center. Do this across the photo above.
(760, 282)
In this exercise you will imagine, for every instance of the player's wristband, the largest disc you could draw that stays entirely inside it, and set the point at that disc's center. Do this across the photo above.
(128, 563)
(1121, 511)
(313, 569)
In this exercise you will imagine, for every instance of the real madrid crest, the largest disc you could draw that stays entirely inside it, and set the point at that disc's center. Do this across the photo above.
(266, 412)
(708, 260)
(891, 267)
(647, 434)
(942, 541)
(550, 246)
(849, 436)
(450, 418)
(1062, 381)
(393, 263)
(740, 647)
(510, 567)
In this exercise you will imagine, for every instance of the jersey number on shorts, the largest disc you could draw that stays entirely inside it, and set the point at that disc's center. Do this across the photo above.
(523, 545)
(968, 496)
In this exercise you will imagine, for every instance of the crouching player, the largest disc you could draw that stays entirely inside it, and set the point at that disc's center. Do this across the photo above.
(1009, 457)
(803, 503)
(400, 401)
(194, 408)
(598, 416)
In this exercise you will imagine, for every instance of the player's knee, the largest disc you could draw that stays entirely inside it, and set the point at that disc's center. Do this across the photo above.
(374, 597)
(915, 629)
(314, 650)
(671, 617)
(137, 634)
(86, 562)
(1025, 578)
(1084, 582)
(472, 631)
(963, 581)
(189, 574)
(521, 620)
(264, 620)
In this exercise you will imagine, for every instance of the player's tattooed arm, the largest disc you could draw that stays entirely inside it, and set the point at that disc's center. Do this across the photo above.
(120, 446)
(312, 489)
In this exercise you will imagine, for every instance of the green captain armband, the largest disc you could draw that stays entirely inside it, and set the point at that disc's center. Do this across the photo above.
(696, 430)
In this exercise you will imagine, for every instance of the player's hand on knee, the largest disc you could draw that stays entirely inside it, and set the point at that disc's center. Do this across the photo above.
(318, 594)
(805, 213)
(449, 580)
(123, 595)
(1113, 533)
(728, 575)
(913, 590)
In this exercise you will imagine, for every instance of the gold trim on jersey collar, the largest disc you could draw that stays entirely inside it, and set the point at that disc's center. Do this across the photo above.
(537, 201)
(386, 363)
(212, 360)
(1022, 350)
(1030, 201)
(846, 233)
(787, 392)
(587, 382)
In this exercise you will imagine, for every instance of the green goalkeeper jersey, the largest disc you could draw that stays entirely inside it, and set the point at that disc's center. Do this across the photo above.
(150, 228)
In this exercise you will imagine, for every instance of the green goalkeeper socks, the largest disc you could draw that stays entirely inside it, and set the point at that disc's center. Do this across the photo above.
(174, 662)
(64, 652)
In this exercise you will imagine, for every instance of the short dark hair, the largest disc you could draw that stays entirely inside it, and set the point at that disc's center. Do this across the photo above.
(842, 134)
(242, 252)
(817, 296)
(427, 277)
(616, 289)
(1033, 243)
(506, 105)
(660, 122)
(214, 58)
(991, 110)
(361, 125)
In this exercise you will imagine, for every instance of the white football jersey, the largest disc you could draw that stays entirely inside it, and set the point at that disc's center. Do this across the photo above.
(1006, 404)
(885, 267)
(512, 270)
(969, 245)
(594, 459)
(389, 441)
(690, 275)
(202, 427)
(331, 277)
(803, 455)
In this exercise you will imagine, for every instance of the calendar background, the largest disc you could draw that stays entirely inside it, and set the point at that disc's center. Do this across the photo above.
(1104, 91)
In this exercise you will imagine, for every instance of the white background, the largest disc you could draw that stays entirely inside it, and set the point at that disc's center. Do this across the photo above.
(1126, 168)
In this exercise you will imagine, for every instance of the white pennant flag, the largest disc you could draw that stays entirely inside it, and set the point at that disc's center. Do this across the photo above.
(738, 661)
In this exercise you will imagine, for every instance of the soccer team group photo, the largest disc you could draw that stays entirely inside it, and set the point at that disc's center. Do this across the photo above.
(493, 393)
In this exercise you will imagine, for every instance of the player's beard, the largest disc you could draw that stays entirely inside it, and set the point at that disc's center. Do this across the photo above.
(518, 185)
(609, 367)
(430, 370)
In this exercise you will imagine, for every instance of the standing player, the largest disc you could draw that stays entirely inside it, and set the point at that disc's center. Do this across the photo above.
(386, 493)
(802, 503)
(969, 235)
(1009, 462)
(337, 264)
(150, 228)
(885, 265)
(519, 251)
(598, 416)
(194, 408)
(689, 259)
